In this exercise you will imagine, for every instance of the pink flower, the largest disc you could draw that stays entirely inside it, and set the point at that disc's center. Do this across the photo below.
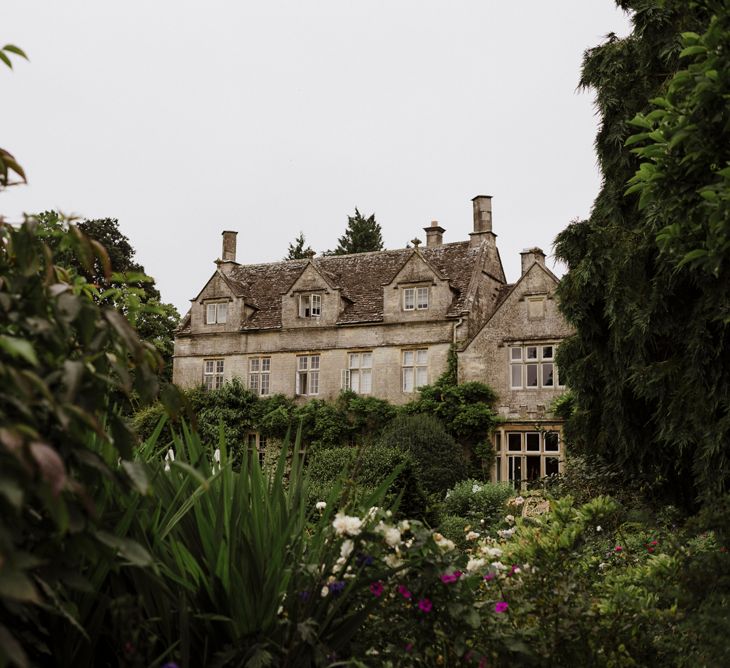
(448, 578)
(376, 589)
(404, 592)
(425, 605)
(409, 647)
(489, 576)
(618, 548)
(501, 606)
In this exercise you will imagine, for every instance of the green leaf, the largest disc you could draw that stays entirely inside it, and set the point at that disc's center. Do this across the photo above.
(10, 489)
(19, 348)
(17, 586)
(137, 473)
(6, 60)
(693, 255)
(692, 50)
(16, 50)
(130, 550)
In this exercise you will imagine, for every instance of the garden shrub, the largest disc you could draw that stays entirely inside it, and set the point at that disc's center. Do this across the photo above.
(481, 504)
(438, 458)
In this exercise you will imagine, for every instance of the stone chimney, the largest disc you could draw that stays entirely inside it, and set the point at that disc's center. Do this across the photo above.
(530, 256)
(434, 235)
(229, 246)
(482, 220)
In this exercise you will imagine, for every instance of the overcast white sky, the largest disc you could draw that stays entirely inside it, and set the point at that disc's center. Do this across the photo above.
(183, 119)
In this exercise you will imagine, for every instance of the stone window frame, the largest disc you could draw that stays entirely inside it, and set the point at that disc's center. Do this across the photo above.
(259, 374)
(415, 298)
(309, 310)
(519, 358)
(307, 375)
(213, 373)
(521, 445)
(412, 367)
(216, 312)
(358, 371)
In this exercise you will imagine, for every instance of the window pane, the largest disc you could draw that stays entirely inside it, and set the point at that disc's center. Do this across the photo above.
(422, 298)
(421, 376)
(552, 466)
(219, 366)
(302, 382)
(532, 442)
(266, 364)
(516, 375)
(408, 358)
(515, 353)
(354, 361)
(366, 381)
(531, 352)
(253, 382)
(218, 382)
(552, 441)
(355, 381)
(533, 468)
(314, 382)
(302, 362)
(208, 382)
(498, 468)
(421, 356)
(265, 378)
(316, 305)
(314, 362)
(210, 314)
(547, 352)
(303, 306)
(531, 375)
(408, 299)
(222, 312)
(515, 469)
(209, 366)
(367, 360)
(498, 441)
(547, 375)
(514, 441)
(408, 379)
(254, 364)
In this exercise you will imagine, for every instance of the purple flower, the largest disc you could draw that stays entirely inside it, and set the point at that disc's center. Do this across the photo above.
(404, 591)
(489, 576)
(409, 647)
(336, 587)
(449, 578)
(376, 589)
(303, 595)
(364, 560)
(425, 605)
(501, 606)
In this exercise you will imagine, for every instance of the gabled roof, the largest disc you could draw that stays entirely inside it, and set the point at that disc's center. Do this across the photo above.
(359, 277)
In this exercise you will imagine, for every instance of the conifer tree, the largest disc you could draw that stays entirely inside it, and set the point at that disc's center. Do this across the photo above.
(363, 235)
(648, 286)
(297, 251)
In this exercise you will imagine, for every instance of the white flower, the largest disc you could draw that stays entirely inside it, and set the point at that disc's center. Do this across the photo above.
(167, 466)
(518, 501)
(599, 529)
(346, 548)
(443, 543)
(498, 566)
(370, 515)
(320, 505)
(475, 564)
(217, 455)
(409, 542)
(169, 457)
(393, 560)
(510, 519)
(472, 535)
(506, 533)
(325, 591)
(481, 522)
(404, 525)
(392, 536)
(339, 564)
(492, 551)
(346, 524)
(280, 610)
(475, 488)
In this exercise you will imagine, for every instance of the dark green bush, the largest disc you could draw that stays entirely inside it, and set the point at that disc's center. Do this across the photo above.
(481, 504)
(438, 458)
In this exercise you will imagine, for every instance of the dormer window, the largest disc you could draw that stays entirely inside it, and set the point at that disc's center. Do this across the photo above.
(310, 306)
(415, 299)
(216, 313)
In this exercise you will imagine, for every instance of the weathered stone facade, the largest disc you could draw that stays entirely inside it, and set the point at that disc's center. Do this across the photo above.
(382, 324)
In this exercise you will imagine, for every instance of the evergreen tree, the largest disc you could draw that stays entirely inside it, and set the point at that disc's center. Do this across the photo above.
(362, 236)
(649, 364)
(297, 251)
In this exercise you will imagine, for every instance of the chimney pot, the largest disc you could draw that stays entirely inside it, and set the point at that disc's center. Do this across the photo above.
(531, 256)
(229, 246)
(482, 213)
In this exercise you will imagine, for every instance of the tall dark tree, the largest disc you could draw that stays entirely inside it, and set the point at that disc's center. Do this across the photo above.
(362, 235)
(297, 250)
(649, 364)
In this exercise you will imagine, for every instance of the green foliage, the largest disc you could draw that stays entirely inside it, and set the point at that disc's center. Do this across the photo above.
(648, 365)
(439, 460)
(8, 163)
(61, 359)
(481, 504)
(297, 251)
(363, 235)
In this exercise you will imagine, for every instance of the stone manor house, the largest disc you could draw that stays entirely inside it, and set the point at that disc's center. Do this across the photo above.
(382, 324)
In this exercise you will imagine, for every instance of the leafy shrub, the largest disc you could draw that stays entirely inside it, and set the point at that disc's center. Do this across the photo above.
(480, 503)
(439, 460)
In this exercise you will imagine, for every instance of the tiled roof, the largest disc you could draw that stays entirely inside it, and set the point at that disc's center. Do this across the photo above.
(359, 277)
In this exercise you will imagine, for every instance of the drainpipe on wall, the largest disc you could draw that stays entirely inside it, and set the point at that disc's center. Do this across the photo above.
(457, 324)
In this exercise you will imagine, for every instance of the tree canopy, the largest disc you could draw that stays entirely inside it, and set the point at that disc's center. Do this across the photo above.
(297, 250)
(647, 286)
(362, 235)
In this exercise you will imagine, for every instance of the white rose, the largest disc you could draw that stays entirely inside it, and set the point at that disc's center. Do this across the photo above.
(325, 591)
(346, 524)
(320, 505)
(510, 519)
(472, 535)
(346, 548)
(475, 564)
(392, 536)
